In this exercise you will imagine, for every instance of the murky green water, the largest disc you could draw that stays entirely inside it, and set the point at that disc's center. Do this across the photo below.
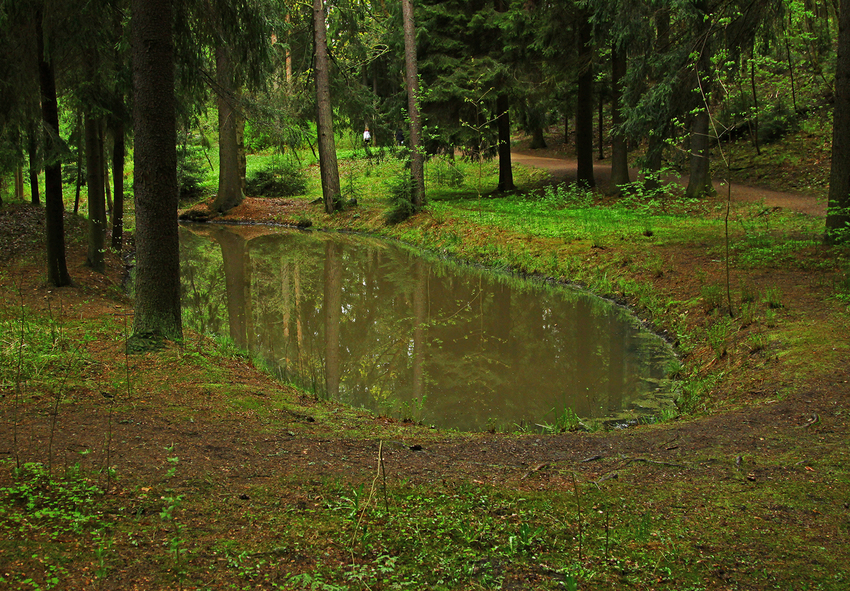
(374, 325)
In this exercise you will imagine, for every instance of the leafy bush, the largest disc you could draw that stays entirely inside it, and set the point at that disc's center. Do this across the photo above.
(281, 179)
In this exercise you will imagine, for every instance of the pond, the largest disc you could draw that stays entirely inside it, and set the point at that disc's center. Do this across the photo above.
(376, 325)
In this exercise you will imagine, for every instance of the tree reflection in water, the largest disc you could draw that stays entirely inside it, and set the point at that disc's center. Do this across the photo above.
(376, 325)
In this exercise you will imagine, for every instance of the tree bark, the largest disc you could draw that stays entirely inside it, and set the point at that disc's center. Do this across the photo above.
(503, 121)
(329, 169)
(118, 154)
(57, 270)
(157, 308)
(19, 182)
(80, 151)
(229, 184)
(411, 69)
(619, 150)
(699, 182)
(538, 142)
(242, 155)
(33, 157)
(653, 161)
(584, 104)
(838, 209)
(96, 204)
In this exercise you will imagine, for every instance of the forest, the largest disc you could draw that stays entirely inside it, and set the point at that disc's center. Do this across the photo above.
(682, 163)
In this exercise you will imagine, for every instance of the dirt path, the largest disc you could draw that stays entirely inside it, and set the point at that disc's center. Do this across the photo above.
(565, 169)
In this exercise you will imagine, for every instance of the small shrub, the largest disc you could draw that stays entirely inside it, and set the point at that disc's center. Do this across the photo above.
(748, 293)
(190, 173)
(568, 196)
(773, 298)
(281, 179)
(400, 199)
(445, 173)
(712, 297)
(758, 342)
(749, 313)
(718, 336)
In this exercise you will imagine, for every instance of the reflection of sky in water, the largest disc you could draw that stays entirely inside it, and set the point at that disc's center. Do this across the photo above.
(374, 325)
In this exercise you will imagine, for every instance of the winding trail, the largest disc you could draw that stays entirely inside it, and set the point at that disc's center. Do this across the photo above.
(565, 170)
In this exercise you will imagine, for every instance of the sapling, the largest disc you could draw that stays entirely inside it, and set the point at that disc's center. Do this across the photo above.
(18, 378)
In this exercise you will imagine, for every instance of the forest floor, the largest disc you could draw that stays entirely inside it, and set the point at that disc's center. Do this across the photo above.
(225, 479)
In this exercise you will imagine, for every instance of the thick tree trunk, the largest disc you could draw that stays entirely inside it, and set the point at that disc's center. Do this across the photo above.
(619, 150)
(503, 121)
(584, 104)
(96, 202)
(329, 169)
(57, 270)
(157, 308)
(229, 184)
(118, 154)
(538, 142)
(411, 78)
(838, 209)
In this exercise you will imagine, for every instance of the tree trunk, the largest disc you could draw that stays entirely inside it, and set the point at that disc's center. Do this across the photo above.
(584, 104)
(242, 155)
(157, 309)
(328, 168)
(96, 204)
(33, 157)
(80, 152)
(105, 164)
(411, 69)
(57, 270)
(229, 186)
(653, 161)
(600, 104)
(503, 121)
(19, 182)
(538, 142)
(699, 183)
(619, 150)
(755, 107)
(838, 209)
(118, 153)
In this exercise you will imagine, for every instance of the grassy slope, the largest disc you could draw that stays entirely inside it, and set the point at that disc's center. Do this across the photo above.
(228, 480)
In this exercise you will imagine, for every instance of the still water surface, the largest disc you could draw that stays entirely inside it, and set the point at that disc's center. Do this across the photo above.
(375, 325)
